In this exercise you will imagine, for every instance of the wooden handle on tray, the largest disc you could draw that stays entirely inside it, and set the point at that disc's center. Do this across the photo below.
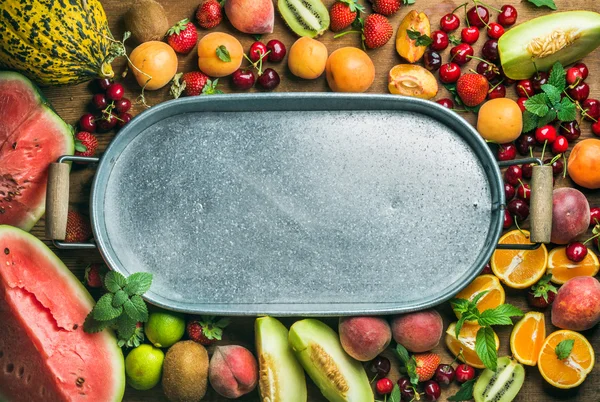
(541, 204)
(57, 201)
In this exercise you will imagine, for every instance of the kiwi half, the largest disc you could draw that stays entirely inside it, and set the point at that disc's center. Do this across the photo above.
(502, 385)
(305, 17)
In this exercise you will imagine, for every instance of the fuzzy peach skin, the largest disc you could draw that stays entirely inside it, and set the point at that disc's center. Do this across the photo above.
(570, 215)
(364, 338)
(349, 69)
(577, 304)
(307, 58)
(251, 16)
(418, 332)
(233, 371)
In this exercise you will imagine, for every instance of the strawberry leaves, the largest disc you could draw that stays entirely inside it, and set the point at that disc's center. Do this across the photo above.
(543, 287)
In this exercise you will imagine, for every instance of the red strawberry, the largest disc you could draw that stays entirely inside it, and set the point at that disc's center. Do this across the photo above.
(343, 13)
(78, 228)
(426, 365)
(85, 144)
(194, 83)
(472, 89)
(209, 14)
(377, 31)
(542, 294)
(386, 7)
(94, 275)
(182, 36)
(205, 330)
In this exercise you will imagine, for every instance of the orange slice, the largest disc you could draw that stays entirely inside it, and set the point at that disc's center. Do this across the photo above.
(519, 269)
(493, 298)
(466, 342)
(563, 269)
(569, 372)
(527, 338)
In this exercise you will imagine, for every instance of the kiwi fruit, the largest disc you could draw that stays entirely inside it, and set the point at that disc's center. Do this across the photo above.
(185, 372)
(305, 17)
(146, 20)
(502, 385)
(339, 377)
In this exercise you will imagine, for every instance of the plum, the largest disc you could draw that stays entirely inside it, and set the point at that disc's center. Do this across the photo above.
(570, 215)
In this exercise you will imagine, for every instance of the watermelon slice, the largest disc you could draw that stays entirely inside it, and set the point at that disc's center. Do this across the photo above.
(44, 353)
(31, 137)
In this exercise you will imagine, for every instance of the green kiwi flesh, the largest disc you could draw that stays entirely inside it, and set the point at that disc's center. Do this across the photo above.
(305, 17)
(502, 385)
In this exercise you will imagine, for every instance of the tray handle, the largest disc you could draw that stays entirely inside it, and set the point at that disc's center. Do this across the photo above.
(57, 201)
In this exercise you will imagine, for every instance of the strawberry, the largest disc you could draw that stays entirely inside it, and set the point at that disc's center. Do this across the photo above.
(78, 228)
(343, 13)
(182, 36)
(426, 365)
(386, 7)
(85, 144)
(542, 294)
(94, 275)
(194, 83)
(209, 14)
(472, 89)
(205, 330)
(377, 31)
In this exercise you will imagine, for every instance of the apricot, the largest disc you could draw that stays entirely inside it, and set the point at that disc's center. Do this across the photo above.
(349, 69)
(407, 47)
(307, 58)
(153, 64)
(584, 163)
(364, 338)
(215, 44)
(409, 80)
(500, 120)
(577, 304)
(251, 16)
(418, 332)
(232, 371)
(570, 214)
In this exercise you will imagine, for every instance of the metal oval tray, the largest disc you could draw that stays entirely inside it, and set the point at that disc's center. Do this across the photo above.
(298, 204)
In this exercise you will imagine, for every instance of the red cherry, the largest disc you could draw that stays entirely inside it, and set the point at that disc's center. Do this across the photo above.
(524, 143)
(487, 270)
(122, 119)
(527, 169)
(580, 92)
(243, 79)
(560, 145)
(432, 60)
(462, 53)
(87, 122)
(513, 174)
(594, 216)
(507, 152)
(508, 16)
(509, 192)
(584, 70)
(490, 50)
(449, 73)
(277, 49)
(478, 16)
(576, 251)
(521, 102)
(103, 83)
(541, 78)
(115, 91)
(432, 390)
(518, 208)
(592, 109)
(545, 133)
(469, 35)
(445, 102)
(379, 367)
(557, 166)
(464, 373)
(444, 374)
(525, 89)
(488, 70)
(257, 49)
(107, 122)
(574, 76)
(508, 222)
(123, 105)
(269, 79)
(524, 192)
(570, 130)
(384, 386)
(449, 22)
(499, 91)
(440, 40)
(494, 30)
(596, 128)
(99, 101)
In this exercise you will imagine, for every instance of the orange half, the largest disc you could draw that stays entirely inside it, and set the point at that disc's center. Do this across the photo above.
(466, 343)
(570, 372)
(519, 269)
(494, 297)
(562, 269)
(527, 338)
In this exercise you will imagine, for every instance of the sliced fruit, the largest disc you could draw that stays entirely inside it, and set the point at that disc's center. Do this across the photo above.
(571, 371)
(407, 47)
(339, 377)
(519, 269)
(502, 385)
(281, 377)
(412, 80)
(466, 343)
(541, 42)
(527, 338)
(305, 17)
(562, 269)
(494, 297)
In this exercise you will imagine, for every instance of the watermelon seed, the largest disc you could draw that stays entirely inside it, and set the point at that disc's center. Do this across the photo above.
(28, 379)
(9, 368)
(75, 326)
(80, 381)
(6, 251)
(14, 145)
(21, 372)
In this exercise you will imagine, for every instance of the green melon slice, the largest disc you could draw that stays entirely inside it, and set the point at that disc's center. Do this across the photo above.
(32, 136)
(565, 37)
(44, 352)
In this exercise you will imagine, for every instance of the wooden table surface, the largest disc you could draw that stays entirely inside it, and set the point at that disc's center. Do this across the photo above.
(71, 102)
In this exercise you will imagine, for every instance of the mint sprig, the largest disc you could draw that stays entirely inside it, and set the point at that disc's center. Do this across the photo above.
(409, 363)
(544, 3)
(564, 348)
(465, 393)
(223, 54)
(419, 38)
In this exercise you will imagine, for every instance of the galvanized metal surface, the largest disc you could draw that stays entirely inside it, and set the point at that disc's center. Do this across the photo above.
(298, 204)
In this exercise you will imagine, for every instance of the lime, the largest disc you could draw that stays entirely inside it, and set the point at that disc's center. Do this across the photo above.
(143, 367)
(164, 328)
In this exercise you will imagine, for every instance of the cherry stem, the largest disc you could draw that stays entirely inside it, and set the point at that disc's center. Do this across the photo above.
(344, 33)
(564, 166)
(591, 238)
(544, 148)
(480, 59)
(582, 110)
(487, 5)
(461, 6)
(496, 86)
(517, 225)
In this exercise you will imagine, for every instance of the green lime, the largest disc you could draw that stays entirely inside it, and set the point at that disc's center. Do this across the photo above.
(143, 367)
(164, 328)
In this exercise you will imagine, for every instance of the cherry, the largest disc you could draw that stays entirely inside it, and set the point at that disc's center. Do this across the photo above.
(243, 79)
(521, 103)
(403, 382)
(527, 169)
(440, 40)
(560, 145)
(541, 78)
(257, 49)
(594, 216)
(99, 101)
(507, 152)
(545, 133)
(87, 122)
(596, 128)
(277, 49)
(495, 30)
(407, 393)
(584, 70)
(509, 192)
(469, 35)
(557, 166)
(449, 22)
(508, 16)
(570, 130)
(115, 91)
(384, 386)
(525, 142)
(464, 373)
(579, 92)
(487, 270)
(524, 192)
(574, 76)
(488, 70)
(499, 91)
(123, 118)
(478, 16)
(462, 53)
(513, 174)
(576, 251)
(379, 367)
(592, 109)
(525, 88)
(508, 222)
(123, 105)
(490, 50)
(449, 73)
(107, 122)
(269, 79)
(445, 102)
(518, 208)
(432, 60)
(444, 374)
(103, 84)
(432, 390)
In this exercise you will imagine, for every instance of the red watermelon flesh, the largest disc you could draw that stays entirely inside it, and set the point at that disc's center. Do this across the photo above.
(32, 136)
(44, 352)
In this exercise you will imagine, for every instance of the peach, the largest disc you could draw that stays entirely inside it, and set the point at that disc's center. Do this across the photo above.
(407, 47)
(233, 371)
(415, 81)
(209, 61)
(349, 69)
(307, 58)
(418, 332)
(251, 16)
(570, 215)
(577, 304)
(364, 338)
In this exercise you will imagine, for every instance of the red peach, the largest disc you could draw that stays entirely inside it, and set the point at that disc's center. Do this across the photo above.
(570, 214)
(251, 16)
(364, 338)
(418, 332)
(233, 371)
(577, 304)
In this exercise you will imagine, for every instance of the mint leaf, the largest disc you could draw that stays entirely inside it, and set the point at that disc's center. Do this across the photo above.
(104, 310)
(402, 354)
(465, 393)
(567, 111)
(544, 3)
(92, 326)
(454, 40)
(552, 92)
(558, 77)
(459, 305)
(411, 368)
(223, 54)
(114, 281)
(125, 327)
(138, 283)
(537, 104)
(499, 315)
(120, 298)
(458, 326)
(408, 2)
(530, 121)
(136, 309)
(485, 347)
(547, 119)
(478, 297)
(395, 396)
(419, 38)
(564, 348)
